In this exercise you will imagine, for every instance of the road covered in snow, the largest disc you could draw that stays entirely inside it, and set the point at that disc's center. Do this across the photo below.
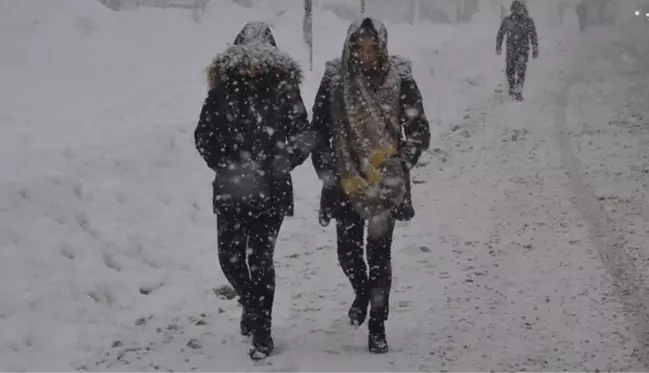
(528, 251)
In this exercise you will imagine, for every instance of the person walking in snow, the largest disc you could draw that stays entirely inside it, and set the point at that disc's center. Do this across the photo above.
(372, 129)
(562, 6)
(520, 31)
(582, 14)
(253, 130)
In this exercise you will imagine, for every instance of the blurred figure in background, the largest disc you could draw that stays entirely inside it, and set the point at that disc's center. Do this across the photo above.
(582, 13)
(520, 30)
(562, 6)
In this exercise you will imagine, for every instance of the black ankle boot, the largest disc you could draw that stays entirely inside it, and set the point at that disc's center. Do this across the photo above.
(358, 310)
(262, 345)
(376, 340)
(247, 324)
(248, 319)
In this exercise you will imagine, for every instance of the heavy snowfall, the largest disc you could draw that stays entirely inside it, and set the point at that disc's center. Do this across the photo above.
(528, 251)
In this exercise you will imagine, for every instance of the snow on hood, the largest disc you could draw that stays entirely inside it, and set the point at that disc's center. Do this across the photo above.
(253, 46)
(518, 7)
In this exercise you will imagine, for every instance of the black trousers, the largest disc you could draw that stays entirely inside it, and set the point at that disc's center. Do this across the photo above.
(377, 283)
(246, 248)
(516, 68)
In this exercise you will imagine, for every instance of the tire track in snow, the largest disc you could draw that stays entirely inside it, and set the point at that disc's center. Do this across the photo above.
(602, 231)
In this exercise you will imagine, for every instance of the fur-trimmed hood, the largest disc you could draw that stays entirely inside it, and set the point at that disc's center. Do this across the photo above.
(253, 48)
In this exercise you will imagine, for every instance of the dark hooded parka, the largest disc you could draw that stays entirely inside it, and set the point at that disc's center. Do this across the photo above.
(520, 30)
(409, 129)
(253, 128)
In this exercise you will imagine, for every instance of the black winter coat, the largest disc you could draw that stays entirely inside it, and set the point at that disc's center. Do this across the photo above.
(520, 31)
(416, 139)
(253, 128)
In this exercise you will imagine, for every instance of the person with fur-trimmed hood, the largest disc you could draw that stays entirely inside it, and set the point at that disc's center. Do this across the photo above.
(253, 130)
(372, 130)
(520, 30)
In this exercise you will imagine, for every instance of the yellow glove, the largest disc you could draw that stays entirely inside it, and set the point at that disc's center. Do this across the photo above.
(353, 184)
(378, 158)
(373, 175)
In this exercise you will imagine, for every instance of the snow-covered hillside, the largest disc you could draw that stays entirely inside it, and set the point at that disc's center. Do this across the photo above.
(108, 243)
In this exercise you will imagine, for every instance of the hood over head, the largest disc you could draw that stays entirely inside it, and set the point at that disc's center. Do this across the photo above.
(253, 53)
(518, 7)
(371, 26)
(255, 32)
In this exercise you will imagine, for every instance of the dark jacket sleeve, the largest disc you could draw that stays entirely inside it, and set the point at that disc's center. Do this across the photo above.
(533, 36)
(500, 35)
(206, 136)
(300, 136)
(323, 154)
(414, 123)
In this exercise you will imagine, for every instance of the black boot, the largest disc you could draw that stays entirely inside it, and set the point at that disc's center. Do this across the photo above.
(376, 340)
(248, 319)
(262, 344)
(247, 324)
(358, 310)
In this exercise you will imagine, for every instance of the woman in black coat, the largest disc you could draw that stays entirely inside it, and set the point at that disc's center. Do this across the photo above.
(253, 130)
(372, 130)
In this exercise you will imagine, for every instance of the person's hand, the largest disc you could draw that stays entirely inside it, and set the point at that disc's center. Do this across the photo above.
(324, 217)
(499, 51)
(354, 184)
(328, 199)
(535, 54)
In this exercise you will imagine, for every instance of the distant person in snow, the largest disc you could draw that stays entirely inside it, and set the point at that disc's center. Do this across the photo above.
(253, 130)
(562, 6)
(582, 14)
(520, 31)
(372, 129)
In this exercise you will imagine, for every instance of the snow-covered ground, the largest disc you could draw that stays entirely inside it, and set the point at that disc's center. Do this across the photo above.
(527, 251)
